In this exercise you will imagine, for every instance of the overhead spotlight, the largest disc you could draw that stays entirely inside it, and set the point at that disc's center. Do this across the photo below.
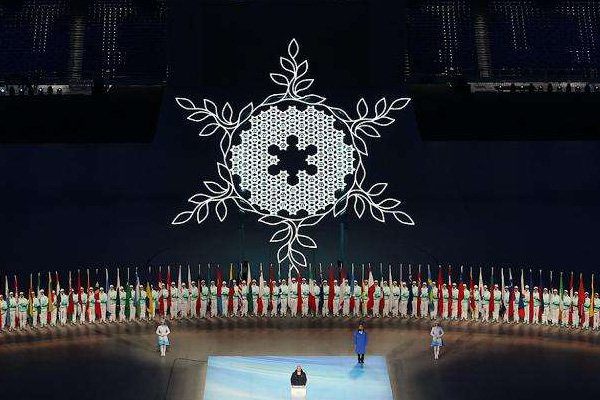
(2, 91)
(40, 91)
(59, 91)
(21, 91)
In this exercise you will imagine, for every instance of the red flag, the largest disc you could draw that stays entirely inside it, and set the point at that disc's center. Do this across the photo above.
(17, 296)
(312, 301)
(371, 291)
(449, 290)
(168, 289)
(332, 290)
(461, 293)
(71, 305)
(581, 298)
(231, 289)
(440, 310)
(300, 300)
(511, 297)
(97, 303)
(570, 295)
(259, 302)
(219, 281)
(492, 294)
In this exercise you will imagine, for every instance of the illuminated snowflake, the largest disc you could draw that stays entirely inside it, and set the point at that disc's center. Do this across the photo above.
(329, 144)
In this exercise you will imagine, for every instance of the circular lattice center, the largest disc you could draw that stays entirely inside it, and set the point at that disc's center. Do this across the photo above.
(333, 160)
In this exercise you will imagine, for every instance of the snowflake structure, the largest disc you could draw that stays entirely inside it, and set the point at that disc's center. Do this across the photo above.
(333, 160)
(326, 142)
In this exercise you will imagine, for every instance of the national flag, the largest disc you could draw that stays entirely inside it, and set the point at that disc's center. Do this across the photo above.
(521, 294)
(461, 292)
(50, 299)
(168, 307)
(591, 309)
(492, 293)
(371, 291)
(17, 299)
(449, 290)
(321, 294)
(429, 289)
(150, 298)
(511, 296)
(481, 309)
(581, 299)
(179, 289)
(78, 295)
(261, 283)
(127, 298)
(199, 299)
(161, 300)
(530, 296)
(312, 301)
(6, 292)
(71, 304)
(502, 291)
(30, 299)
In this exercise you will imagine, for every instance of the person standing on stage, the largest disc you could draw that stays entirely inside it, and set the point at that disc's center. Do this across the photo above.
(454, 312)
(163, 332)
(244, 299)
(596, 311)
(142, 300)
(283, 297)
(436, 339)
(34, 311)
(424, 301)
(255, 289)
(377, 299)
(275, 299)
(464, 312)
(3, 311)
(486, 304)
(497, 302)
(361, 339)
(112, 307)
(357, 295)
(506, 299)
(22, 306)
(54, 312)
(194, 293)
(12, 309)
(546, 301)
(298, 377)
(43, 299)
(293, 290)
(325, 311)
(224, 299)
(536, 305)
(184, 301)
(395, 298)
(265, 296)
(213, 299)
(575, 302)
(475, 295)
(386, 293)
(102, 297)
(122, 304)
(346, 298)
(204, 296)
(586, 311)
(91, 305)
(403, 299)
(174, 313)
(304, 290)
(556, 304)
(336, 298)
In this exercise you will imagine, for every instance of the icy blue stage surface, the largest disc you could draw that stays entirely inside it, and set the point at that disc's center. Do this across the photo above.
(268, 378)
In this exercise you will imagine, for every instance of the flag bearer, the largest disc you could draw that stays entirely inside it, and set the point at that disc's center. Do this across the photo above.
(546, 319)
(155, 298)
(204, 296)
(424, 301)
(586, 311)
(142, 300)
(213, 299)
(596, 311)
(275, 299)
(395, 299)
(91, 309)
(62, 307)
(293, 292)
(497, 303)
(346, 298)
(506, 298)
(536, 305)
(575, 302)
(22, 307)
(455, 301)
(175, 301)
(557, 304)
(184, 301)
(325, 311)
(112, 307)
(265, 295)
(465, 303)
(377, 299)
(336, 298)
(12, 309)
(486, 303)
(194, 299)
(283, 297)
(54, 312)
(357, 296)
(476, 303)
(415, 296)
(526, 301)
(36, 307)
(305, 295)
(243, 299)
(255, 294)
(43, 299)
(3, 312)
(102, 297)
(122, 303)
(403, 307)
(386, 293)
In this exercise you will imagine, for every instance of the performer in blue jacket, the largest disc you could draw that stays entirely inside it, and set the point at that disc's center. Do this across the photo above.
(360, 343)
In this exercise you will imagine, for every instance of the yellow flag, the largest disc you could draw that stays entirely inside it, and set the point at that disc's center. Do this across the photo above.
(150, 299)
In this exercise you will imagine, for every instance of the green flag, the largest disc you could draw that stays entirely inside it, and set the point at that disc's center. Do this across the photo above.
(249, 296)
(127, 302)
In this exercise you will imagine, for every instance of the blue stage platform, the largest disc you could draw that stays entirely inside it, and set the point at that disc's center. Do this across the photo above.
(268, 378)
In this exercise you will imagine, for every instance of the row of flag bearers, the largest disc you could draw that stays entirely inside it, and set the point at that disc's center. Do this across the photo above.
(340, 293)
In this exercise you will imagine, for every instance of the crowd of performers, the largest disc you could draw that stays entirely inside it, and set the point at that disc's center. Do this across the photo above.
(335, 293)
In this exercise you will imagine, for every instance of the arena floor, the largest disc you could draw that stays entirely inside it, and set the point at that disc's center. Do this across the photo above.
(479, 361)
